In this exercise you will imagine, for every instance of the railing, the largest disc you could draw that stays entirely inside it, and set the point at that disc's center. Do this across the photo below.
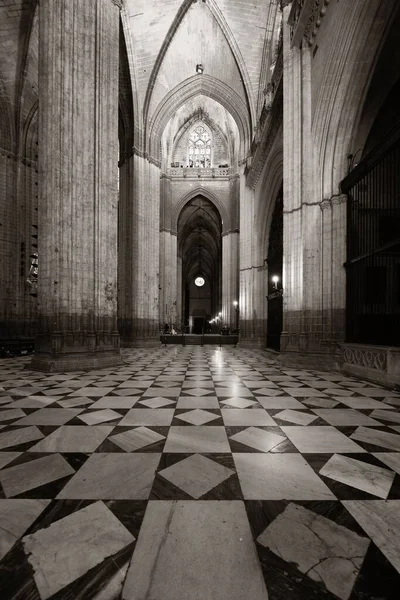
(193, 173)
(373, 246)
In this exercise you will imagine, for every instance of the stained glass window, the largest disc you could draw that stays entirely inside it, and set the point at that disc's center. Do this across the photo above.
(199, 148)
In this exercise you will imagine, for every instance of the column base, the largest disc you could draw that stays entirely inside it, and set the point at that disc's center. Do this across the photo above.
(76, 351)
(79, 362)
(142, 342)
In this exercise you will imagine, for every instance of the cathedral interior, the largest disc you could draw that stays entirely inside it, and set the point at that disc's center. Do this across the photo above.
(199, 299)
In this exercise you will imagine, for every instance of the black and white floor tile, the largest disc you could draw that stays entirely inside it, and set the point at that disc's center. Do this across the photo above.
(193, 473)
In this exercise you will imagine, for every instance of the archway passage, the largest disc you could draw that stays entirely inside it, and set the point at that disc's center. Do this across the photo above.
(275, 260)
(200, 252)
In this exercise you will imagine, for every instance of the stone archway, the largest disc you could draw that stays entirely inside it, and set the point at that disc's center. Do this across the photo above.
(199, 230)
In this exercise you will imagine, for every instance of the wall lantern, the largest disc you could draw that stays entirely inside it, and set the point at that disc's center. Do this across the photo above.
(199, 69)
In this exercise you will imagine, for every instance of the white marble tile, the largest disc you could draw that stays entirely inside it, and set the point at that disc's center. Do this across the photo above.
(363, 403)
(135, 439)
(258, 439)
(11, 414)
(259, 383)
(15, 437)
(267, 391)
(359, 474)
(59, 391)
(71, 546)
(115, 402)
(280, 402)
(157, 402)
(304, 392)
(72, 402)
(26, 391)
(100, 416)
(295, 416)
(196, 475)
(200, 402)
(377, 438)
(345, 416)
(386, 415)
(233, 392)
(393, 401)
(193, 439)
(380, 519)
(73, 438)
(238, 402)
(148, 416)
(318, 547)
(193, 384)
(320, 402)
(32, 474)
(163, 392)
(94, 392)
(197, 417)
(142, 384)
(7, 457)
(113, 476)
(221, 565)
(50, 416)
(246, 416)
(34, 402)
(376, 392)
(320, 439)
(16, 516)
(390, 459)
(279, 477)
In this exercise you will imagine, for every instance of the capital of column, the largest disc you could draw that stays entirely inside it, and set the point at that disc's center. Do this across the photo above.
(117, 3)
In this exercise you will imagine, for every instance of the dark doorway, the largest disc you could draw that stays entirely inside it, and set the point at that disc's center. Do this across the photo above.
(200, 247)
(275, 261)
(198, 324)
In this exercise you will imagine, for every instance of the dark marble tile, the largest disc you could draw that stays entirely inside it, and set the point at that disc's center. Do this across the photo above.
(16, 576)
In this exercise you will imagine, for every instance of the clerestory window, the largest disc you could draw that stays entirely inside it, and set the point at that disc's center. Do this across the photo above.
(199, 148)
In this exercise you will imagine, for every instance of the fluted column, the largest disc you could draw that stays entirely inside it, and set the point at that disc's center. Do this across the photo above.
(78, 197)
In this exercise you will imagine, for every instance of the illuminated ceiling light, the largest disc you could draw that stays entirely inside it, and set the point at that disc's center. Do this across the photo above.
(199, 69)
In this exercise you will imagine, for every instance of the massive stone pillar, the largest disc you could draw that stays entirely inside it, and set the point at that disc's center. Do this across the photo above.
(144, 230)
(78, 196)
(302, 272)
(230, 251)
(168, 257)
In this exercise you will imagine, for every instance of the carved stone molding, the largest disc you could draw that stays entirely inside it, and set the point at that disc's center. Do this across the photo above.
(325, 204)
(305, 19)
(370, 358)
(338, 199)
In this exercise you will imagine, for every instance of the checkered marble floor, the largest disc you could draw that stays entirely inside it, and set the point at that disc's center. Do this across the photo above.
(197, 473)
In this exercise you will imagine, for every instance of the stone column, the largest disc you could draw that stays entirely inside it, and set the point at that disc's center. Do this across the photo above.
(78, 197)
(230, 249)
(168, 257)
(144, 230)
(302, 225)
(126, 283)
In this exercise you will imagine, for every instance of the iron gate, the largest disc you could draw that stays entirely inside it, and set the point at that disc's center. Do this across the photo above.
(373, 246)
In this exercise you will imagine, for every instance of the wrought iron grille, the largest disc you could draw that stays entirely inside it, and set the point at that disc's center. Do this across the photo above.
(373, 246)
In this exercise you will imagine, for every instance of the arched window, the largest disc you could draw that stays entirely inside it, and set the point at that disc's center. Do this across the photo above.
(199, 147)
